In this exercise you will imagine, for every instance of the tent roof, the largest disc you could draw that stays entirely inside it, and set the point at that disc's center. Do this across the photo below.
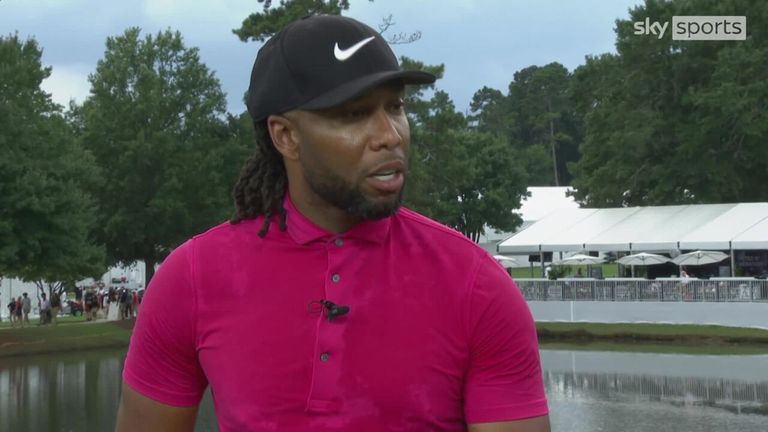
(703, 226)
(754, 237)
(718, 233)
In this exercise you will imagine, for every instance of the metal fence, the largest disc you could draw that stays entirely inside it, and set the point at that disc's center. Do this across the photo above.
(672, 290)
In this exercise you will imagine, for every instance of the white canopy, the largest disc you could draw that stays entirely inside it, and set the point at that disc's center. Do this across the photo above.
(755, 237)
(636, 229)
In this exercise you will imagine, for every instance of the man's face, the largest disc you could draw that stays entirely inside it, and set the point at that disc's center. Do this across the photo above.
(354, 156)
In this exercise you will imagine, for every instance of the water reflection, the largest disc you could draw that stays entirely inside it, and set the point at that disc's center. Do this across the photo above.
(73, 392)
(68, 392)
(608, 391)
(588, 391)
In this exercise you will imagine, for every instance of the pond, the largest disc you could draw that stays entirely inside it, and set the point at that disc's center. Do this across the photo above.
(588, 391)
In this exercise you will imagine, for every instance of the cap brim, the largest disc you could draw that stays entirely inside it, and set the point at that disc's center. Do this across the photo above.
(353, 89)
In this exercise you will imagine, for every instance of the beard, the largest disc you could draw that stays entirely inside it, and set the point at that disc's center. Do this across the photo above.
(346, 196)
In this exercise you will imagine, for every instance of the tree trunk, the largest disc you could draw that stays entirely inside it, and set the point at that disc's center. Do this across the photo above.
(149, 269)
(552, 142)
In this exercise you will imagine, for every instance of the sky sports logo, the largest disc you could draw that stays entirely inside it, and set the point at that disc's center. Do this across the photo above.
(688, 28)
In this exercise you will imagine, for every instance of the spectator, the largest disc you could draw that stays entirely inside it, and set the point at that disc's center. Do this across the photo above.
(26, 308)
(134, 303)
(12, 312)
(91, 304)
(55, 307)
(45, 310)
(17, 311)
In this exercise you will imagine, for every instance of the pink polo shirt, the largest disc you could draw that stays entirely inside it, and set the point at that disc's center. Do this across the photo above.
(437, 335)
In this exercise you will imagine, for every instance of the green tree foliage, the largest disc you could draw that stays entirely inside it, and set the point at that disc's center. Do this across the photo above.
(538, 96)
(260, 26)
(671, 122)
(536, 118)
(463, 177)
(154, 121)
(46, 216)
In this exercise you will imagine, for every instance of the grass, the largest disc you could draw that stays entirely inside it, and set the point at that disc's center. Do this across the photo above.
(74, 333)
(68, 319)
(649, 337)
(663, 348)
(609, 270)
(65, 337)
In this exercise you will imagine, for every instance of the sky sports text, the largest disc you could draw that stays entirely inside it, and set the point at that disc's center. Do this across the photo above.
(696, 28)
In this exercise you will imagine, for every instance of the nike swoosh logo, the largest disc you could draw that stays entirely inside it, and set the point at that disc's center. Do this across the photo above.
(343, 54)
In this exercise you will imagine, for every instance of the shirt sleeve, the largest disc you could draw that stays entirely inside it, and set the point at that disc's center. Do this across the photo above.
(504, 381)
(162, 361)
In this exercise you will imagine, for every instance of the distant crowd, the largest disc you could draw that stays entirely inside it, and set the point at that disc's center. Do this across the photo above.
(93, 302)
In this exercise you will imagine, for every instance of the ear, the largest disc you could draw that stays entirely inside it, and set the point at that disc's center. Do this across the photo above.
(284, 136)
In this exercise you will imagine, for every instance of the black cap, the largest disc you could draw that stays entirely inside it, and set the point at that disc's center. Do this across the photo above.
(320, 62)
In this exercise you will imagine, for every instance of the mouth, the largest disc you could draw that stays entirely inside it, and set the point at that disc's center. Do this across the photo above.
(388, 178)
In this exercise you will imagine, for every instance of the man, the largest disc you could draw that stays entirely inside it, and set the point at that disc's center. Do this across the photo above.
(12, 312)
(45, 310)
(323, 305)
(55, 307)
(89, 304)
(26, 308)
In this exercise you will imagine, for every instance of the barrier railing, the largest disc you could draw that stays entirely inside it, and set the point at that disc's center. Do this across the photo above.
(667, 289)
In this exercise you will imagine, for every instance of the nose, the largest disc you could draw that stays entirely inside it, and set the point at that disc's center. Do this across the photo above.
(384, 130)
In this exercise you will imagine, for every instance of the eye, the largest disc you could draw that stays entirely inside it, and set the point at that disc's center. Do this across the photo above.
(398, 106)
(357, 113)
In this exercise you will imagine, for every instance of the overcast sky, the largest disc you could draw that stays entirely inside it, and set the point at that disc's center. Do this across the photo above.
(481, 42)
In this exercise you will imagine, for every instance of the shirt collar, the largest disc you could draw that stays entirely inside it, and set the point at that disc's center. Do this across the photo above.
(304, 231)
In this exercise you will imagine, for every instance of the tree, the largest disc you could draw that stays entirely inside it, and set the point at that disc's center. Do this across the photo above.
(672, 122)
(261, 26)
(538, 99)
(462, 177)
(154, 122)
(47, 218)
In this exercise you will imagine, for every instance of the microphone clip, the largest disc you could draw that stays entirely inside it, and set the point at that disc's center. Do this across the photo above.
(332, 310)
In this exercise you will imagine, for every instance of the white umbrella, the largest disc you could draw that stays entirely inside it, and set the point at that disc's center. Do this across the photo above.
(580, 260)
(699, 257)
(507, 262)
(643, 258)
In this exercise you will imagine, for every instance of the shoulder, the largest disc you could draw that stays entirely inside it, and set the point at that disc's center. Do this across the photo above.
(412, 225)
(227, 234)
(418, 237)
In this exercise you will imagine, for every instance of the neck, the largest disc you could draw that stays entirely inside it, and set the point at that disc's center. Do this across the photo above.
(320, 212)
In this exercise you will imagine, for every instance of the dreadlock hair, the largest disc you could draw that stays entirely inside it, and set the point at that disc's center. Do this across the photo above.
(262, 183)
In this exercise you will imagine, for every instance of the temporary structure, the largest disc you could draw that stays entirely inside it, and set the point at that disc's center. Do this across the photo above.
(580, 260)
(643, 258)
(699, 257)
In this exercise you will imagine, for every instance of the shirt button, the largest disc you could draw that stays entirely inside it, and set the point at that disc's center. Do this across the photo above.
(335, 278)
(324, 357)
(339, 242)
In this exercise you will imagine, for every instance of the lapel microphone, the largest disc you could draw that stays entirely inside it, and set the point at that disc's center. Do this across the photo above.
(332, 310)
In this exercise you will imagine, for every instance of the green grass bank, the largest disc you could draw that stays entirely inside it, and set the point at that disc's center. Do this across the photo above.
(74, 334)
(70, 335)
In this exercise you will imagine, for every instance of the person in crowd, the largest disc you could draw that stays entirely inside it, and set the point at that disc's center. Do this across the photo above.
(90, 301)
(55, 308)
(122, 299)
(44, 305)
(12, 312)
(26, 308)
(18, 311)
(134, 303)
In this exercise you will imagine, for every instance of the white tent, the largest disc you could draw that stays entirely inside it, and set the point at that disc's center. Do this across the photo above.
(650, 229)
(754, 237)
(720, 231)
